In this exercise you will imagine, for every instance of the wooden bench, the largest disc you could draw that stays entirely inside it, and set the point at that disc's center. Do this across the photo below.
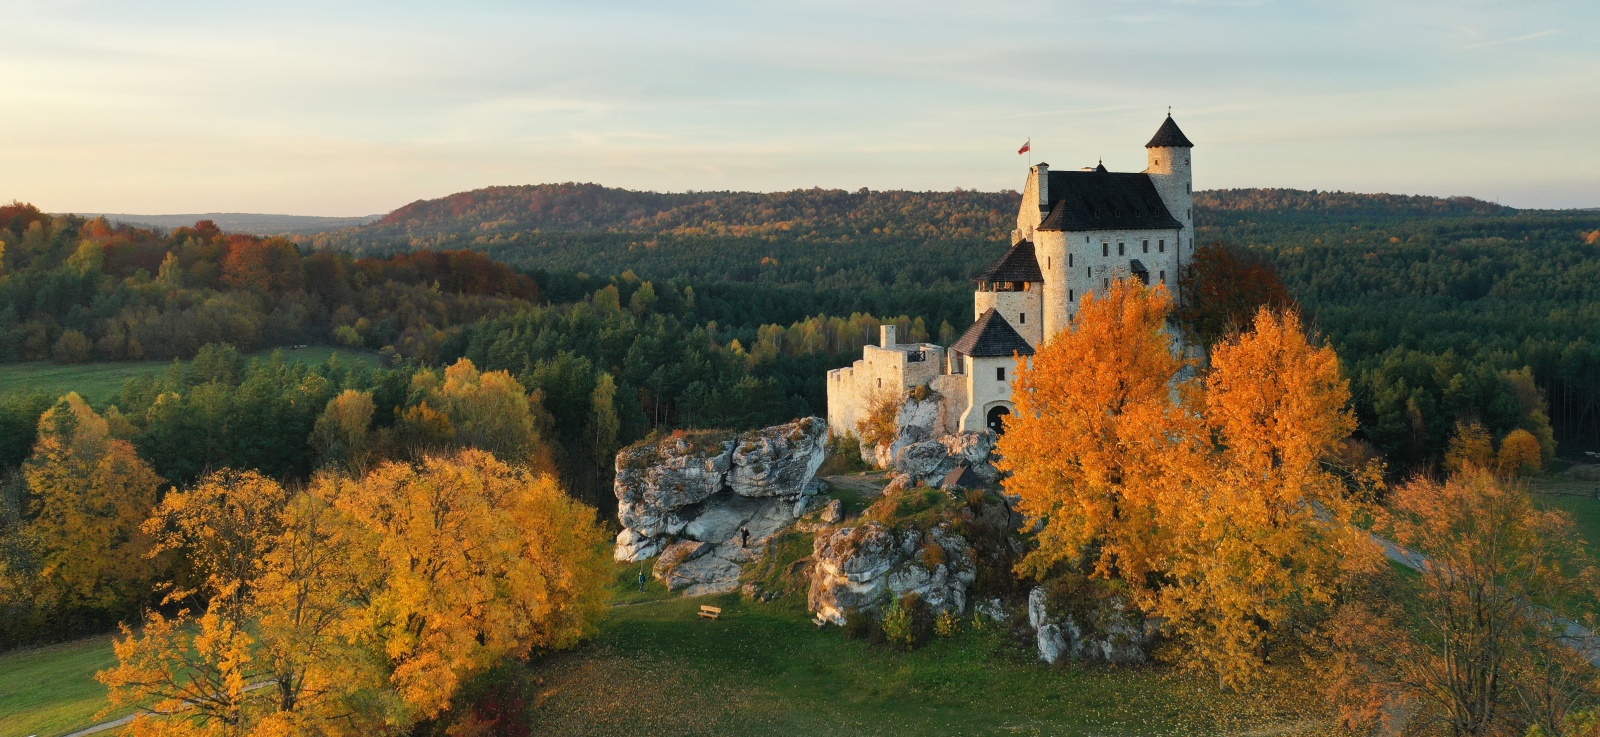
(710, 612)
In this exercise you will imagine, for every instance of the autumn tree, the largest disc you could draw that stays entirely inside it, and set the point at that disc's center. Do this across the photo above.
(1223, 287)
(465, 407)
(1470, 447)
(1089, 447)
(1519, 454)
(273, 649)
(343, 432)
(90, 492)
(1478, 638)
(475, 561)
(1264, 534)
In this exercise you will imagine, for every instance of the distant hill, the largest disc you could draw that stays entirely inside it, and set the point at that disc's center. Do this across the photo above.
(242, 222)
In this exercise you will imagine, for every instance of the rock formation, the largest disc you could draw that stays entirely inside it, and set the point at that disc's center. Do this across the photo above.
(1109, 632)
(860, 568)
(706, 488)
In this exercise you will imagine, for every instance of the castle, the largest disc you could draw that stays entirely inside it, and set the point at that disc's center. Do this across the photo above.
(1077, 231)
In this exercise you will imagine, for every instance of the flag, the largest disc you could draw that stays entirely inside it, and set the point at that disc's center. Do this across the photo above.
(1026, 147)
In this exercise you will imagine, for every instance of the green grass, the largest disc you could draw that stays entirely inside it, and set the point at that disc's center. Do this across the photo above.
(656, 668)
(51, 690)
(1576, 498)
(100, 382)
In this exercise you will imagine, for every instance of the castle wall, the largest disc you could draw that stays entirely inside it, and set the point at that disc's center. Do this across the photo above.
(1076, 263)
(985, 390)
(1023, 310)
(851, 390)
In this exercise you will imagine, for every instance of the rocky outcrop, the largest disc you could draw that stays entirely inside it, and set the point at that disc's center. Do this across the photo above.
(1106, 632)
(916, 422)
(931, 462)
(862, 567)
(710, 488)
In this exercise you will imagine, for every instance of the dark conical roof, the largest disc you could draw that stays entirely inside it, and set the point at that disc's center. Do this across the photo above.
(991, 336)
(1019, 264)
(1168, 136)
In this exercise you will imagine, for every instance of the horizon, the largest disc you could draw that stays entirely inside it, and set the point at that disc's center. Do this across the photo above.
(362, 108)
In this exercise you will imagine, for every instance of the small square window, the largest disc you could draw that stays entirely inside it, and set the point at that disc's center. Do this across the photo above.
(999, 373)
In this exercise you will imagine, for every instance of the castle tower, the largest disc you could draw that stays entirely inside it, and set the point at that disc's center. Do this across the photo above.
(1170, 170)
(1013, 287)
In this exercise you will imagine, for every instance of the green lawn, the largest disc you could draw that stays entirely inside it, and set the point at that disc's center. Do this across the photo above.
(100, 382)
(655, 668)
(1576, 498)
(51, 690)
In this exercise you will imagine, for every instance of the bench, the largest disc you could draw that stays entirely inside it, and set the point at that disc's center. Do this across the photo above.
(710, 612)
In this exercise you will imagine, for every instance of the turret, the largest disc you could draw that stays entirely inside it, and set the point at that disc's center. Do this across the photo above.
(1170, 170)
(1035, 201)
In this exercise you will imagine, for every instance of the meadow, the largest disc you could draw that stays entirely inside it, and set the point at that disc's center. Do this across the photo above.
(99, 383)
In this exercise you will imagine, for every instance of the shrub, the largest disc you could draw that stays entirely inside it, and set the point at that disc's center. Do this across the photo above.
(946, 624)
(844, 456)
(862, 625)
(882, 421)
(898, 627)
(933, 555)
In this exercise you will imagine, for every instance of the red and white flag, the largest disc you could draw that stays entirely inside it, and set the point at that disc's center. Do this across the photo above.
(1026, 147)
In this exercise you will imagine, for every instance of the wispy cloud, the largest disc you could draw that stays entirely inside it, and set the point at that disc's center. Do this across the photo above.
(1512, 40)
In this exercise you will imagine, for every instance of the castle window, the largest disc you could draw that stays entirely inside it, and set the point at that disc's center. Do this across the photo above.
(999, 373)
(1105, 249)
(1089, 271)
(1188, 188)
(1122, 249)
(1022, 318)
(1069, 260)
(1108, 283)
(1163, 277)
(1161, 245)
(1147, 246)
(1047, 261)
(880, 383)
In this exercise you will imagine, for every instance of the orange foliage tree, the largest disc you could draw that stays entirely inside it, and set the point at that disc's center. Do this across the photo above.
(1210, 497)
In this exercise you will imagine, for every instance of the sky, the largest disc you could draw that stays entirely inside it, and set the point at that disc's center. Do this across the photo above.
(339, 107)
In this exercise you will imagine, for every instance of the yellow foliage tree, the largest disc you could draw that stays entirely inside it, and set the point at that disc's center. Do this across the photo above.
(1520, 454)
(1470, 447)
(90, 494)
(476, 560)
(1265, 532)
(273, 651)
(341, 435)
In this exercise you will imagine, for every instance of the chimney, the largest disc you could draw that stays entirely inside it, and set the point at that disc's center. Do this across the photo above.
(1043, 170)
(886, 336)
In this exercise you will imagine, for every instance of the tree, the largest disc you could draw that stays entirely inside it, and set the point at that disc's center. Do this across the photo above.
(1264, 533)
(1470, 447)
(90, 493)
(1088, 447)
(1223, 287)
(274, 650)
(476, 561)
(1468, 636)
(604, 427)
(1519, 454)
(341, 435)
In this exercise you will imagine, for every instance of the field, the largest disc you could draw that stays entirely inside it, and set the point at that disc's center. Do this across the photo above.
(51, 690)
(1576, 497)
(100, 382)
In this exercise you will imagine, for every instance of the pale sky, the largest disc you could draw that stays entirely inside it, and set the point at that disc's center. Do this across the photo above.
(350, 108)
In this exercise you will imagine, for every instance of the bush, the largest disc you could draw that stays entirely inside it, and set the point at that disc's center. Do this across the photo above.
(862, 625)
(844, 456)
(946, 624)
(898, 626)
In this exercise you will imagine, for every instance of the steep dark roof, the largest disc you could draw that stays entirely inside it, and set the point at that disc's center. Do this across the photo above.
(991, 336)
(1102, 200)
(1168, 136)
(1018, 264)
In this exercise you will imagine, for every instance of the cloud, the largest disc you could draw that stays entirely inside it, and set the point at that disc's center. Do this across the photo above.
(1505, 41)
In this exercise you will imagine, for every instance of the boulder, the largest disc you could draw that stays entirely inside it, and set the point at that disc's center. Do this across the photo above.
(833, 514)
(705, 490)
(1111, 633)
(917, 422)
(860, 568)
(926, 462)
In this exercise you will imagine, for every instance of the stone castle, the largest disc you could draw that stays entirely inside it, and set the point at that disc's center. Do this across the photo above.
(1077, 231)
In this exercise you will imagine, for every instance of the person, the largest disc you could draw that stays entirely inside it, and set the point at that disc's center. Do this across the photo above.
(744, 537)
(641, 577)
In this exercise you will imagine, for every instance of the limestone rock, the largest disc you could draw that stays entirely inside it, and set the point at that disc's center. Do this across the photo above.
(1113, 634)
(708, 490)
(778, 461)
(926, 462)
(859, 568)
(833, 514)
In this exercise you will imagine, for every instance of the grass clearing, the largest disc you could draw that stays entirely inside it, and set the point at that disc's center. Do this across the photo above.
(51, 690)
(655, 668)
(1576, 497)
(99, 383)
